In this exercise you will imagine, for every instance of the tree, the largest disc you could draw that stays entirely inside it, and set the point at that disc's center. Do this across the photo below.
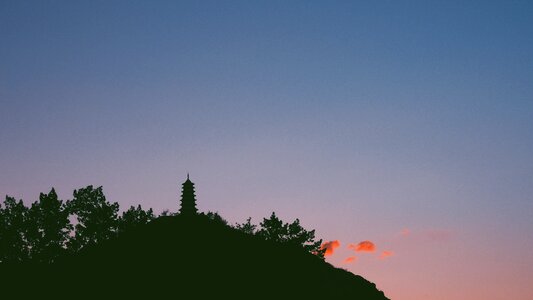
(273, 229)
(247, 227)
(97, 218)
(297, 235)
(134, 217)
(48, 228)
(276, 230)
(13, 244)
(167, 213)
(214, 216)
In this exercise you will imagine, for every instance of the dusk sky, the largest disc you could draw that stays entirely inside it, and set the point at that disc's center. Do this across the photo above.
(402, 123)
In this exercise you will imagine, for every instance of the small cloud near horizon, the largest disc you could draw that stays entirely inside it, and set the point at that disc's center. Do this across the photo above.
(364, 246)
(330, 247)
(405, 232)
(350, 260)
(386, 254)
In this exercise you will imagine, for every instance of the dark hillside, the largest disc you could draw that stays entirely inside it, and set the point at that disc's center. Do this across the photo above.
(179, 256)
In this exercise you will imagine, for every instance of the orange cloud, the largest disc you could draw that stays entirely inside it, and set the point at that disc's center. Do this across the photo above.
(350, 260)
(386, 254)
(330, 247)
(364, 246)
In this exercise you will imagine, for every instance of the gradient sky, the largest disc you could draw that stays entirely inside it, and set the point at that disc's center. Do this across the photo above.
(407, 124)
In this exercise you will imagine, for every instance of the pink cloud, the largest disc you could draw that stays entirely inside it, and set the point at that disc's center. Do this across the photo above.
(364, 246)
(386, 254)
(350, 260)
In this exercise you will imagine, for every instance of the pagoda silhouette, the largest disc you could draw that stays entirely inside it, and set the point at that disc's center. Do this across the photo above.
(188, 199)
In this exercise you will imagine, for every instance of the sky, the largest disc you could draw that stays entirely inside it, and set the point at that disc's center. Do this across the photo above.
(402, 131)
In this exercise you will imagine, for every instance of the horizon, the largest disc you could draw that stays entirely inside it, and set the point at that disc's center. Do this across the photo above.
(404, 125)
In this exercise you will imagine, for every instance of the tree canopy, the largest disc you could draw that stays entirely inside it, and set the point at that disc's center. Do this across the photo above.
(48, 227)
(51, 227)
(274, 229)
(97, 219)
(13, 216)
(134, 217)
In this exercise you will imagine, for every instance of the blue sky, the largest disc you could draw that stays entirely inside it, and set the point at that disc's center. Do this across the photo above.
(359, 118)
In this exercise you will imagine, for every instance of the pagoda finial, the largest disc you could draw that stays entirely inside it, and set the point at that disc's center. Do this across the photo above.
(187, 175)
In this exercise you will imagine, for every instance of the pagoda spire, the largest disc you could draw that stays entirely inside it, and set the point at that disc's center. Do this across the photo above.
(188, 198)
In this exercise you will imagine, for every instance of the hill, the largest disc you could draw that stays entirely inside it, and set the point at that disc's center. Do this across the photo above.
(195, 257)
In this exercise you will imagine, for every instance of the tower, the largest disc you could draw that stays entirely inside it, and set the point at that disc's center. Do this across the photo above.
(188, 199)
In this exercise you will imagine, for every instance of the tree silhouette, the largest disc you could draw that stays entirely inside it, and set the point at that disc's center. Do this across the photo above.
(276, 230)
(47, 228)
(97, 218)
(13, 244)
(44, 231)
(247, 227)
(273, 229)
(188, 253)
(168, 213)
(134, 217)
(297, 235)
(214, 216)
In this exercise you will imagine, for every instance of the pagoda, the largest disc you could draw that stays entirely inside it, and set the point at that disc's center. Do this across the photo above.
(188, 199)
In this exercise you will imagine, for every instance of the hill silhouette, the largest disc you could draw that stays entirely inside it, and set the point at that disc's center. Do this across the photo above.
(192, 256)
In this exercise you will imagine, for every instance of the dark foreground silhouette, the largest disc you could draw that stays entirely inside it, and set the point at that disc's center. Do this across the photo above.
(189, 257)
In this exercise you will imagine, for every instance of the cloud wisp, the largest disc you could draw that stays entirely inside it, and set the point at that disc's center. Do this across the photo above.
(386, 254)
(405, 232)
(350, 260)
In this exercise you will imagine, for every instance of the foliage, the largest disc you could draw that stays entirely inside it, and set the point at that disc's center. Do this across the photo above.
(48, 228)
(44, 231)
(167, 213)
(276, 230)
(97, 218)
(214, 216)
(134, 217)
(13, 244)
(247, 227)
(273, 229)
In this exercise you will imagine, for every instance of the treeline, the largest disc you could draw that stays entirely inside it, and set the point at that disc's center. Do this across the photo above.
(51, 227)
(274, 229)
